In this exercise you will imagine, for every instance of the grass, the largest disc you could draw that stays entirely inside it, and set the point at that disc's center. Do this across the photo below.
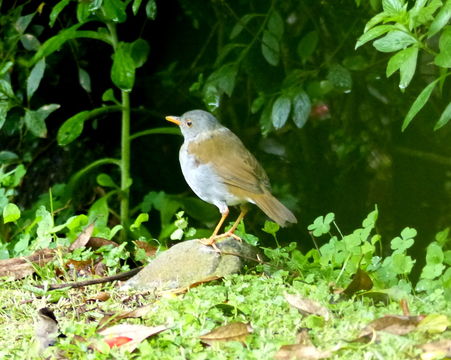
(253, 298)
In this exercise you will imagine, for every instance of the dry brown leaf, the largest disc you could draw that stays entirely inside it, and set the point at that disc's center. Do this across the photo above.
(98, 242)
(235, 331)
(436, 350)
(360, 281)
(19, 268)
(101, 296)
(129, 336)
(394, 324)
(307, 306)
(137, 313)
(83, 238)
(301, 351)
(149, 249)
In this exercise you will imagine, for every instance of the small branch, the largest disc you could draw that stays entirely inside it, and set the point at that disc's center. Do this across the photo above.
(78, 284)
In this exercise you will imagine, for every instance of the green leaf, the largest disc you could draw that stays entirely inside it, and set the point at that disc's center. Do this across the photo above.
(151, 9)
(11, 213)
(376, 19)
(4, 107)
(22, 23)
(241, 24)
(84, 79)
(280, 111)
(421, 14)
(408, 233)
(223, 79)
(106, 181)
(406, 61)
(434, 254)
(139, 52)
(321, 225)
(8, 157)
(441, 19)
(258, 102)
(83, 11)
(226, 51)
(114, 10)
(135, 6)
(372, 34)
(98, 212)
(301, 108)
(56, 10)
(444, 118)
(395, 40)
(55, 42)
(271, 227)
(35, 119)
(402, 264)
(340, 77)
(307, 45)
(35, 77)
(392, 7)
(72, 128)
(443, 59)
(418, 104)
(123, 69)
(30, 42)
(270, 48)
(143, 217)
(275, 24)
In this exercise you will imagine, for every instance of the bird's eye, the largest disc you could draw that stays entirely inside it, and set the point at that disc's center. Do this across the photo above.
(189, 123)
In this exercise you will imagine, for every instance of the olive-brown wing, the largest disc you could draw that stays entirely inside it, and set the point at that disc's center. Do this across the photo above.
(233, 162)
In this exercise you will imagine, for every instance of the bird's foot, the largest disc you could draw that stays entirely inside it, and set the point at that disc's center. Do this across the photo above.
(211, 241)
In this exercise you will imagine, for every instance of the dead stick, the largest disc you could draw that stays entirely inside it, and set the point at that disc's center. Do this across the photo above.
(106, 279)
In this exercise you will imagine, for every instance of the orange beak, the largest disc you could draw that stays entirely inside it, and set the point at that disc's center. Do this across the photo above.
(174, 119)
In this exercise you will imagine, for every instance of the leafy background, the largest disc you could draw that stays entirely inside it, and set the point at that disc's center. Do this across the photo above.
(322, 117)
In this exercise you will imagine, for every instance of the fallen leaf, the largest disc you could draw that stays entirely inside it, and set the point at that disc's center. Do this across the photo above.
(46, 328)
(149, 249)
(307, 306)
(101, 296)
(137, 313)
(360, 281)
(129, 336)
(18, 268)
(83, 238)
(301, 351)
(434, 323)
(235, 331)
(394, 324)
(98, 242)
(118, 341)
(436, 350)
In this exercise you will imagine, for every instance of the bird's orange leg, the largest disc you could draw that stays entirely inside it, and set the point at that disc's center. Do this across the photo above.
(211, 240)
(231, 231)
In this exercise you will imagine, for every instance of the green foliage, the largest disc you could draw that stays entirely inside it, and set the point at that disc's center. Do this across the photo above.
(409, 33)
(342, 256)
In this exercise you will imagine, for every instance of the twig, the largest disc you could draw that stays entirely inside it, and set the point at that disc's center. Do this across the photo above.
(77, 284)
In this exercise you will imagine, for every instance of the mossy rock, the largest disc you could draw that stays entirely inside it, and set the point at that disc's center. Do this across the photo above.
(189, 262)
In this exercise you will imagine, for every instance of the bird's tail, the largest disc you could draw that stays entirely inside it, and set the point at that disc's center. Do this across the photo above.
(274, 209)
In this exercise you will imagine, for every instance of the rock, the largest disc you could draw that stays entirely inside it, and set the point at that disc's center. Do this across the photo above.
(189, 262)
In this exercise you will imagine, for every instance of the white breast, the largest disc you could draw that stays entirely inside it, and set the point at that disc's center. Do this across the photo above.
(204, 182)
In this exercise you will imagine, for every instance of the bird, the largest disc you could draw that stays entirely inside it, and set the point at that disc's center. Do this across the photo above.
(221, 171)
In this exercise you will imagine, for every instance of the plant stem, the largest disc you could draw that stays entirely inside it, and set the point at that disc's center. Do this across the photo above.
(125, 162)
